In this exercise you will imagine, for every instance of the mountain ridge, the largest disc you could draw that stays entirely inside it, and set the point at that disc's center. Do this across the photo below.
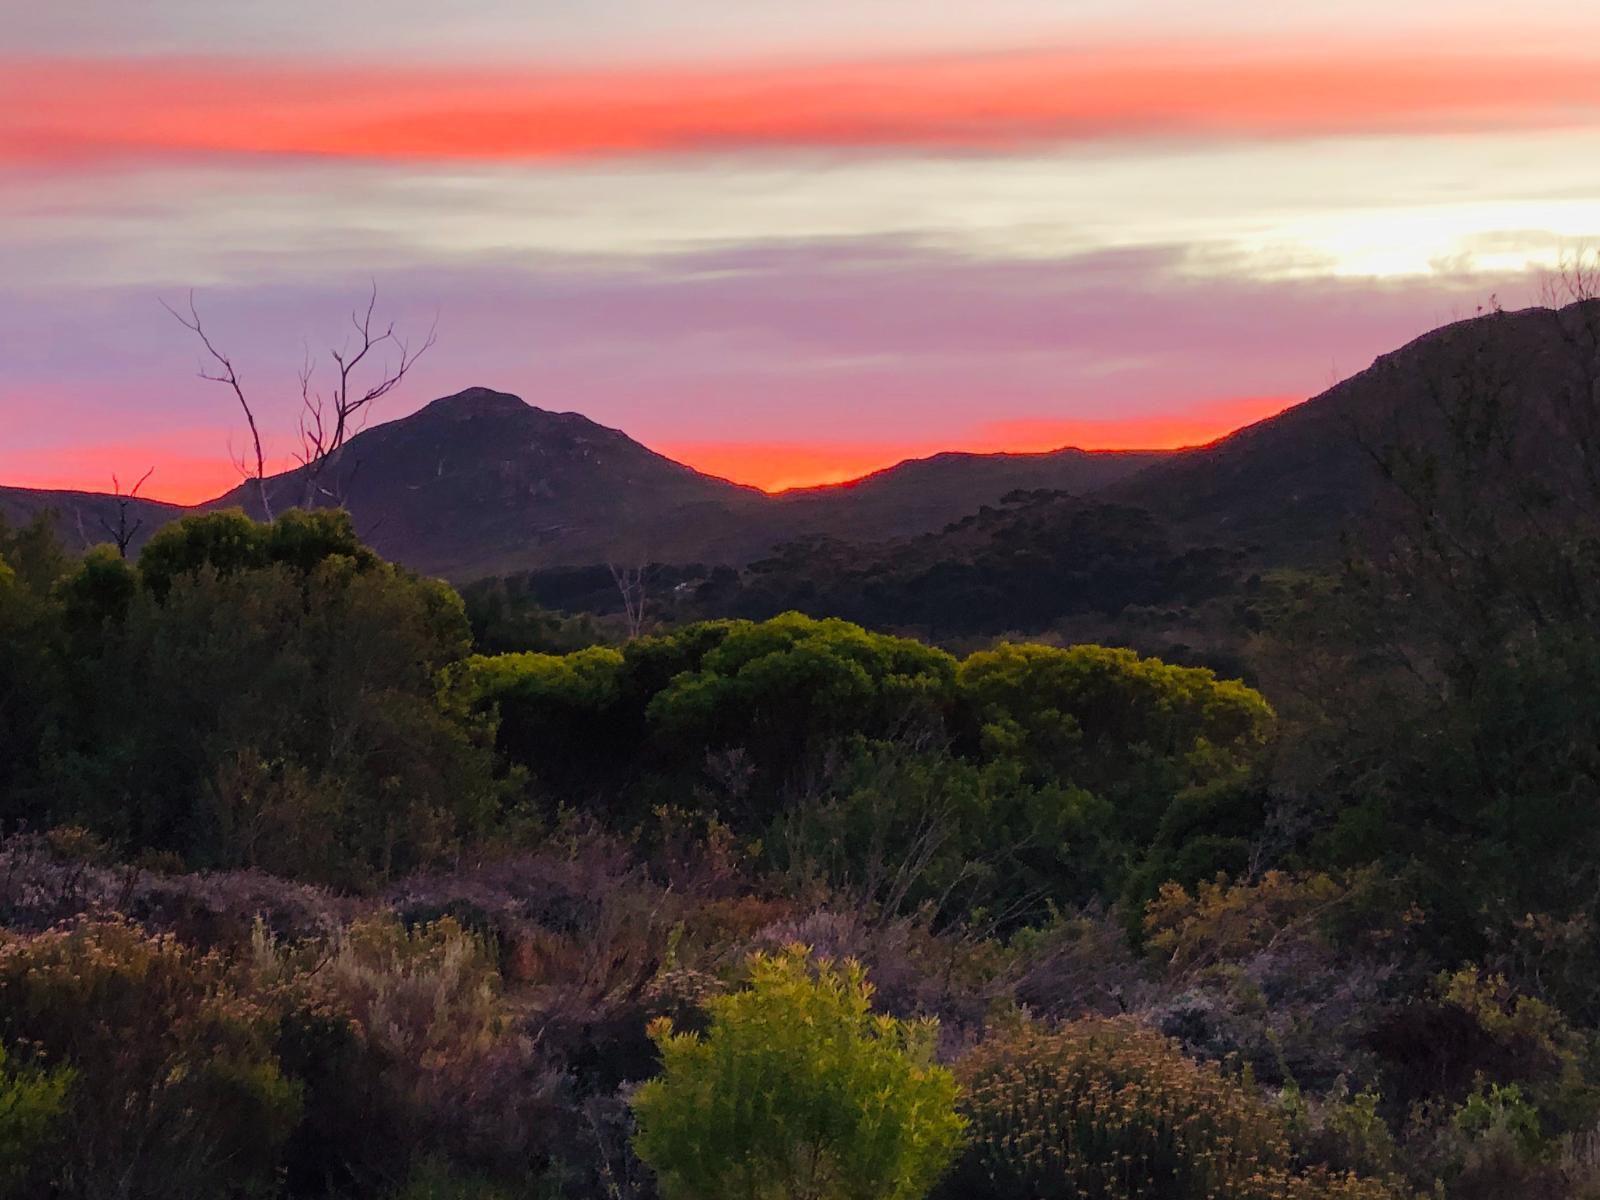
(481, 483)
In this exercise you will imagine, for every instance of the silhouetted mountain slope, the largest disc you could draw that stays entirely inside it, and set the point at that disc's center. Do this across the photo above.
(1035, 557)
(79, 514)
(1290, 485)
(481, 483)
(924, 494)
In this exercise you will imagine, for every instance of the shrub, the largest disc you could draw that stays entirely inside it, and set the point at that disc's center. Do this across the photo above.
(1107, 1109)
(1497, 1109)
(798, 1092)
(1221, 922)
(901, 828)
(31, 1105)
(400, 1039)
(177, 1092)
(424, 996)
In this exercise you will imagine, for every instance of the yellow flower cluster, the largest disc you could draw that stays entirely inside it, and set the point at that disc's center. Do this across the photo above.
(1111, 1110)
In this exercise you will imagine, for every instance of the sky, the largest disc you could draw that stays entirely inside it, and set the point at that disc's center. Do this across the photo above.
(783, 243)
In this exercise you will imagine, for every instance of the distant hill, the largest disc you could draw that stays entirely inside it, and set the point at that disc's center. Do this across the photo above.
(1290, 485)
(1034, 558)
(925, 494)
(481, 483)
(79, 514)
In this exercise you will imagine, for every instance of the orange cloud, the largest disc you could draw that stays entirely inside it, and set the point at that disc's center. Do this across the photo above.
(775, 466)
(65, 110)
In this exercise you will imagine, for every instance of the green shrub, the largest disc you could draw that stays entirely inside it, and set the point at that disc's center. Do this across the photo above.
(902, 828)
(1135, 731)
(300, 726)
(798, 1091)
(1107, 1109)
(1501, 1111)
(31, 1105)
(177, 1093)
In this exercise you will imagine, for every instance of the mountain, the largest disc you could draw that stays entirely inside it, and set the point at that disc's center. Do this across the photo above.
(481, 483)
(1289, 486)
(86, 518)
(925, 494)
(1035, 557)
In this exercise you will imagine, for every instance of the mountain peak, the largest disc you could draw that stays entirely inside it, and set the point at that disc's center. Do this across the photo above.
(476, 402)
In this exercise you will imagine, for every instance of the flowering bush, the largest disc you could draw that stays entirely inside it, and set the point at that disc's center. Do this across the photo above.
(1107, 1109)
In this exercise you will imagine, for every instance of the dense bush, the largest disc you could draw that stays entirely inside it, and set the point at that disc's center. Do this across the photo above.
(798, 1092)
(897, 829)
(1043, 774)
(299, 725)
(1133, 730)
(176, 1092)
(1110, 1110)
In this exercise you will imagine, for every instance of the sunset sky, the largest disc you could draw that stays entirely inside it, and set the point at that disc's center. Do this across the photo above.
(786, 243)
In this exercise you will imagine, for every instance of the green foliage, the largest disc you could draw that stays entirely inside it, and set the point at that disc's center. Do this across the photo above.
(507, 618)
(1110, 1110)
(1134, 730)
(34, 553)
(298, 723)
(1495, 1109)
(176, 1093)
(561, 716)
(798, 1092)
(229, 542)
(30, 686)
(1029, 561)
(1022, 777)
(900, 829)
(31, 1105)
(782, 689)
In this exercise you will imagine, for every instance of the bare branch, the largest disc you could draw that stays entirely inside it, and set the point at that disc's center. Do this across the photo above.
(227, 375)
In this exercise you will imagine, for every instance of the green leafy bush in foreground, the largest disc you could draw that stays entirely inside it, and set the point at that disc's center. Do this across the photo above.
(798, 1091)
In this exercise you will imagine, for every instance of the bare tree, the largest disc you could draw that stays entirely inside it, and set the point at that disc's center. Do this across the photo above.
(123, 533)
(632, 583)
(326, 422)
